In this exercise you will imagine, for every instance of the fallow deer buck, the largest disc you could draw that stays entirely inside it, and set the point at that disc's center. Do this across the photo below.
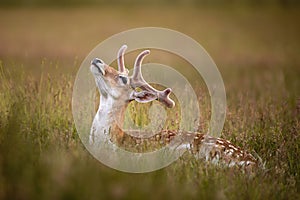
(117, 89)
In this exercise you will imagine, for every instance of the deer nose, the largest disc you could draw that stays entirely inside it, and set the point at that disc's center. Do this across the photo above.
(97, 65)
(97, 61)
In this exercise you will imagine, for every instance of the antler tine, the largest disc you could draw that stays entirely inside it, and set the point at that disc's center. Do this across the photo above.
(164, 97)
(137, 72)
(121, 64)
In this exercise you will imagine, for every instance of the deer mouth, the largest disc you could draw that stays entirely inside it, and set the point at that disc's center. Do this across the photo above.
(98, 66)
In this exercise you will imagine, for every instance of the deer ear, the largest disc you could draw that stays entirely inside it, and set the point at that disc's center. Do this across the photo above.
(143, 96)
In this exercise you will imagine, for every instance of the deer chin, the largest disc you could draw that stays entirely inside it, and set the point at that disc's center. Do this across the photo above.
(97, 69)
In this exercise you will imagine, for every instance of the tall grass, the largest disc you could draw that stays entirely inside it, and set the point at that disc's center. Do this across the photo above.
(42, 157)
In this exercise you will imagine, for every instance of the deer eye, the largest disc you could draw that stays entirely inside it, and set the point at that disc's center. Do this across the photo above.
(124, 79)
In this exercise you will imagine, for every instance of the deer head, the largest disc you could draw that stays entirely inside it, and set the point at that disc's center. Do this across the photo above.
(122, 87)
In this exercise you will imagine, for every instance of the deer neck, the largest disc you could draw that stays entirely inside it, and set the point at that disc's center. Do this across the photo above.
(108, 119)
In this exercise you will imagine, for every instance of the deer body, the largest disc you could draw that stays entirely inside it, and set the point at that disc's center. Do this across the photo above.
(117, 89)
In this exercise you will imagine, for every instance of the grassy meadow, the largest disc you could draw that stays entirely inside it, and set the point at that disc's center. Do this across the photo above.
(41, 156)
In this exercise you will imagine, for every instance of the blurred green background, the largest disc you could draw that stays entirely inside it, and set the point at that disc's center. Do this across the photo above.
(255, 44)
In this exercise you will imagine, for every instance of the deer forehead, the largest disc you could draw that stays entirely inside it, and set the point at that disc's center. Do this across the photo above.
(111, 73)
